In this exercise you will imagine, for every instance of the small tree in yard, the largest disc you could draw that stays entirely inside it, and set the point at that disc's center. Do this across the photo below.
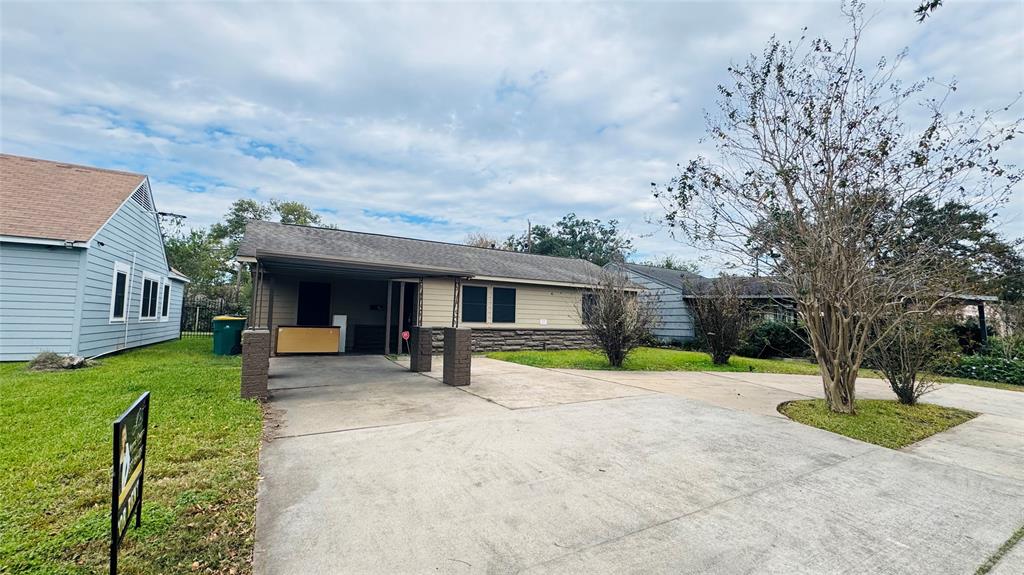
(820, 163)
(618, 318)
(906, 347)
(722, 315)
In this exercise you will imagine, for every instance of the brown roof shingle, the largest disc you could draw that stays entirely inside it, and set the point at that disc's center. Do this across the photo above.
(53, 200)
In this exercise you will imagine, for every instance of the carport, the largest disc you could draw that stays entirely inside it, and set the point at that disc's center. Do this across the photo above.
(333, 305)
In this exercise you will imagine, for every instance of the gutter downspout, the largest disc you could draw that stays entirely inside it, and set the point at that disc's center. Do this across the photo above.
(128, 306)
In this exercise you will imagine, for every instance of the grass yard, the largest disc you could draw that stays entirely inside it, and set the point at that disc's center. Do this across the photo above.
(652, 359)
(882, 422)
(661, 359)
(201, 470)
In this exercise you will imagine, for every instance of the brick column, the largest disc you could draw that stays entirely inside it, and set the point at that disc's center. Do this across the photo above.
(458, 353)
(255, 363)
(421, 348)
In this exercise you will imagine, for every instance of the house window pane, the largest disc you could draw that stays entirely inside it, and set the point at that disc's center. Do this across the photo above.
(167, 300)
(145, 297)
(153, 291)
(120, 284)
(589, 306)
(150, 292)
(504, 305)
(474, 304)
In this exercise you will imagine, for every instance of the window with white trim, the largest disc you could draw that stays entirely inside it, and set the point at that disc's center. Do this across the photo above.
(119, 292)
(150, 295)
(165, 300)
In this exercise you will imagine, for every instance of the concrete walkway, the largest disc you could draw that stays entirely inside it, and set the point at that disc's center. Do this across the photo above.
(993, 442)
(376, 470)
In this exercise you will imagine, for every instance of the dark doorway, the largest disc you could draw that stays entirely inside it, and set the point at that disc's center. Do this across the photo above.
(314, 303)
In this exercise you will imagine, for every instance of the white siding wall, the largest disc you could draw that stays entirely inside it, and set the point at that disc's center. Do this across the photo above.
(675, 318)
(38, 294)
(131, 234)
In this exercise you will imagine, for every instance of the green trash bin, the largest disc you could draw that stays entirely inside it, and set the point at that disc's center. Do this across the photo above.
(227, 334)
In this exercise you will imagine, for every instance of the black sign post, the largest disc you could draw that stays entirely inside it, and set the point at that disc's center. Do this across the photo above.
(130, 431)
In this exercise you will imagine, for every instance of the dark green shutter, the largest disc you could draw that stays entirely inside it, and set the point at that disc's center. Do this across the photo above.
(474, 304)
(504, 305)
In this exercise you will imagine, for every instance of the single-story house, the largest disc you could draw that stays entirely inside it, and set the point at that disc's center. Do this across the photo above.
(320, 290)
(671, 292)
(82, 263)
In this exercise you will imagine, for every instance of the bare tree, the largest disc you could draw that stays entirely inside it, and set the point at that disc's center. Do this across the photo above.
(722, 315)
(618, 318)
(481, 240)
(908, 345)
(818, 164)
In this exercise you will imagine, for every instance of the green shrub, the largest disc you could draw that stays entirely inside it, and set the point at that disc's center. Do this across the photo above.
(987, 368)
(1005, 347)
(774, 339)
(968, 334)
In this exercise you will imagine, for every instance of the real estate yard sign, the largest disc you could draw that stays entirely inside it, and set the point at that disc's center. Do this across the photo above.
(130, 432)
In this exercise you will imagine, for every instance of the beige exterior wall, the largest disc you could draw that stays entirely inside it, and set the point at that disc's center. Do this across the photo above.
(537, 306)
(437, 302)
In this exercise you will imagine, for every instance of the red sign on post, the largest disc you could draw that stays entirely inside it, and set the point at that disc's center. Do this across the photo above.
(405, 335)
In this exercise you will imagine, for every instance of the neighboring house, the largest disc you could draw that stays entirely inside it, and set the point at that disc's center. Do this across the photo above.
(82, 263)
(670, 292)
(665, 289)
(305, 276)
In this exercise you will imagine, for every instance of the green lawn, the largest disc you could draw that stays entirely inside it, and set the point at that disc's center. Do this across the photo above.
(882, 422)
(652, 359)
(201, 470)
(661, 359)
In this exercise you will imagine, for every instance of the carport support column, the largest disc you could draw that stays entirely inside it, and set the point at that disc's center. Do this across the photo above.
(458, 353)
(255, 363)
(421, 348)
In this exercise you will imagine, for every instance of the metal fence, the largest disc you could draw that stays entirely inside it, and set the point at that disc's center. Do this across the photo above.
(197, 314)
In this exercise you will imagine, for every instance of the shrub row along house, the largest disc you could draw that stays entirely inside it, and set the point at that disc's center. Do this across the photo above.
(82, 263)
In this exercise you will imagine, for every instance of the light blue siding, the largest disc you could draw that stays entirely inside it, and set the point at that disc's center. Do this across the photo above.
(675, 321)
(131, 237)
(38, 289)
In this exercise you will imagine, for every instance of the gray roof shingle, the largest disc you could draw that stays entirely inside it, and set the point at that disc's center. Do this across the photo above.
(263, 238)
(688, 282)
(680, 279)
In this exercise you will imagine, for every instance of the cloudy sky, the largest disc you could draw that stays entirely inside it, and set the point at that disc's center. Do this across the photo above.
(431, 120)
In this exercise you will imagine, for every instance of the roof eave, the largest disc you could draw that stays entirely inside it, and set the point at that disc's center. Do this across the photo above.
(68, 243)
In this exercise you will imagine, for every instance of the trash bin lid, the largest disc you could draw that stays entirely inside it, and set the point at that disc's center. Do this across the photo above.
(228, 317)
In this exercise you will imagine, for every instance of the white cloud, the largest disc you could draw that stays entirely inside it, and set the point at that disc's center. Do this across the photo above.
(469, 117)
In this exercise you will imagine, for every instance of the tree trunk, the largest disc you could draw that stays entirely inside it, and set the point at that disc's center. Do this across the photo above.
(839, 390)
(835, 347)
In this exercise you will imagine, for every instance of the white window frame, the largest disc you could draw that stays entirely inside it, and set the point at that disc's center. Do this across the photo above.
(165, 293)
(142, 292)
(120, 267)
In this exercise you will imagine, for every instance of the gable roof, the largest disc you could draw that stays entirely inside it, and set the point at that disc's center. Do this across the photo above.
(689, 282)
(264, 239)
(53, 200)
(679, 279)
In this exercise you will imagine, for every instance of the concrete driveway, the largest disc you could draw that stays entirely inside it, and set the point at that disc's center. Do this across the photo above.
(377, 470)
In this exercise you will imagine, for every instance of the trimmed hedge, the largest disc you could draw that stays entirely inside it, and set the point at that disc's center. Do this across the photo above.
(774, 339)
(988, 368)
